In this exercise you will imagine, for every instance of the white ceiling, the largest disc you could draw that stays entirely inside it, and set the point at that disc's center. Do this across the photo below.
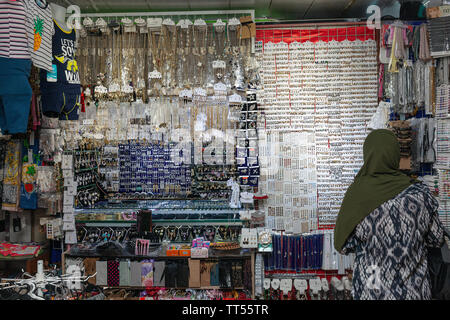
(298, 9)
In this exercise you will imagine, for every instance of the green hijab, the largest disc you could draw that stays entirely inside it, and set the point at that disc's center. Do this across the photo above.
(378, 181)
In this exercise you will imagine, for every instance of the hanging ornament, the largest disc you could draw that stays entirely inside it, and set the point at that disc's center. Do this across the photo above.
(219, 36)
(199, 50)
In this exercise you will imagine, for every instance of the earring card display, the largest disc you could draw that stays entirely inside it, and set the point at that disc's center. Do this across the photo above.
(325, 82)
(149, 169)
(289, 179)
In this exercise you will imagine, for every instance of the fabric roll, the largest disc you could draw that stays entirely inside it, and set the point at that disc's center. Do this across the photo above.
(147, 273)
(113, 273)
(194, 273)
(159, 275)
(183, 274)
(225, 269)
(171, 274)
(90, 269)
(102, 275)
(135, 274)
(215, 274)
(236, 274)
(205, 273)
(124, 273)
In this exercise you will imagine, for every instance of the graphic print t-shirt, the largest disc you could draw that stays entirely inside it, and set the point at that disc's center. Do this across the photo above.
(64, 75)
(39, 14)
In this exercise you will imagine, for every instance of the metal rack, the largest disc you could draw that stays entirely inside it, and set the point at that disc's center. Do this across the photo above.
(214, 14)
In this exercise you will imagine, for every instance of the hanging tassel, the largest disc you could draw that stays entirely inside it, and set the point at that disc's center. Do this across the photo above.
(83, 108)
(393, 61)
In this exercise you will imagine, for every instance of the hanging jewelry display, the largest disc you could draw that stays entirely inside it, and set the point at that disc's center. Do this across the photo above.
(86, 51)
(235, 106)
(237, 77)
(247, 59)
(109, 56)
(191, 58)
(140, 58)
(83, 63)
(181, 29)
(101, 50)
(200, 50)
(419, 83)
(154, 26)
(220, 93)
(210, 56)
(233, 35)
(219, 67)
(114, 86)
(172, 233)
(219, 37)
(155, 85)
(94, 33)
(169, 45)
(128, 59)
(160, 232)
(184, 50)
(184, 232)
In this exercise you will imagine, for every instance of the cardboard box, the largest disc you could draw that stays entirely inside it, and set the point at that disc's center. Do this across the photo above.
(246, 19)
(172, 253)
(184, 252)
(248, 28)
(438, 12)
(247, 31)
(199, 252)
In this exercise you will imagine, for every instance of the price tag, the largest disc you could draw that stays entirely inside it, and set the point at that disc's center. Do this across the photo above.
(67, 162)
(68, 209)
(286, 285)
(70, 237)
(267, 284)
(337, 284)
(69, 217)
(68, 226)
(130, 29)
(67, 173)
(70, 191)
(347, 283)
(275, 284)
(30, 156)
(301, 285)
(315, 285)
(68, 201)
(325, 286)
(69, 182)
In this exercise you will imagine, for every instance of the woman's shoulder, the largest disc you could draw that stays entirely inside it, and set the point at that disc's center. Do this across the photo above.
(417, 188)
(421, 192)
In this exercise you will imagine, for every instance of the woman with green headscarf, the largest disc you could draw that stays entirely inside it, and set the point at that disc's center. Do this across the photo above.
(388, 220)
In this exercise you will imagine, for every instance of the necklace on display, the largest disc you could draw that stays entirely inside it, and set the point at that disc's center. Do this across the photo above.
(200, 37)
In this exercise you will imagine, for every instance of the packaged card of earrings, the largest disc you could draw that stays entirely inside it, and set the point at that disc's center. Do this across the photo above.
(46, 179)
